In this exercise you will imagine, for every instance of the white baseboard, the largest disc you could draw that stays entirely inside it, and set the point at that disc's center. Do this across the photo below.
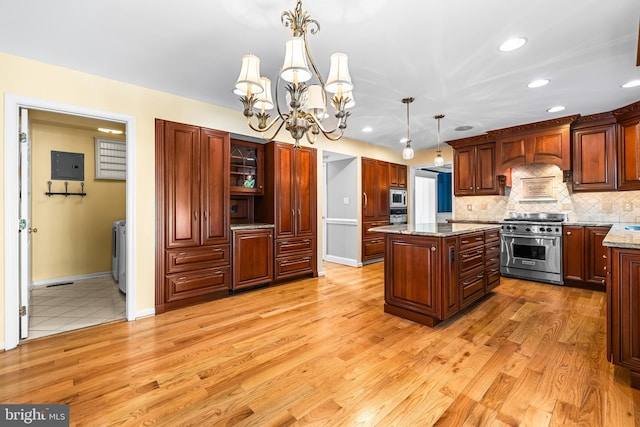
(43, 283)
(145, 313)
(340, 260)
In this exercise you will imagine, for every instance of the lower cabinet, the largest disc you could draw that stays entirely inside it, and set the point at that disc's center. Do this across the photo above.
(584, 262)
(295, 256)
(372, 242)
(428, 279)
(623, 322)
(252, 258)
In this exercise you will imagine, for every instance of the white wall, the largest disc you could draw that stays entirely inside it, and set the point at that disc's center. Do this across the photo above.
(342, 211)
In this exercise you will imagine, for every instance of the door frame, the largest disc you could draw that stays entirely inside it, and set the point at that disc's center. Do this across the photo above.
(12, 104)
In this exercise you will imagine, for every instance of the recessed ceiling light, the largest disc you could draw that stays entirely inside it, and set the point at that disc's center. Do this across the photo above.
(632, 83)
(111, 131)
(463, 128)
(367, 129)
(538, 83)
(512, 44)
(555, 109)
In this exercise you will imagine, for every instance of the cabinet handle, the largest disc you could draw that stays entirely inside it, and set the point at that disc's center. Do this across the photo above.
(466, 283)
(217, 250)
(568, 233)
(464, 241)
(195, 216)
(433, 248)
(206, 215)
(604, 256)
(306, 240)
(217, 273)
(366, 199)
(480, 276)
(182, 278)
(478, 239)
(479, 251)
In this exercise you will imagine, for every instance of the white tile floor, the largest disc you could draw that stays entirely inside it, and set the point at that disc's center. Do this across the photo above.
(62, 308)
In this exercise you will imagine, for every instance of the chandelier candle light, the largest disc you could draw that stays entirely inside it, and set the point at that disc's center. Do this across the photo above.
(439, 160)
(307, 103)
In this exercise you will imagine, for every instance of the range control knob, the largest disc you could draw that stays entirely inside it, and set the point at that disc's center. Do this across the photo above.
(549, 229)
(527, 229)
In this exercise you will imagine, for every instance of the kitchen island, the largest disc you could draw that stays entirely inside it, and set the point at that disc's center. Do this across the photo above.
(434, 270)
(623, 298)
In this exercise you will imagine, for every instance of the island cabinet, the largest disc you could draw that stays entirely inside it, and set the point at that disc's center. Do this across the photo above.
(375, 206)
(540, 142)
(192, 207)
(431, 278)
(584, 258)
(594, 153)
(289, 202)
(623, 320)
(252, 258)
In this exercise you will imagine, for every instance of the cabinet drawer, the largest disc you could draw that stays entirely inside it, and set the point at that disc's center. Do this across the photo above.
(493, 275)
(471, 240)
(472, 287)
(366, 225)
(287, 247)
(294, 266)
(198, 283)
(373, 247)
(471, 259)
(490, 236)
(179, 260)
(492, 254)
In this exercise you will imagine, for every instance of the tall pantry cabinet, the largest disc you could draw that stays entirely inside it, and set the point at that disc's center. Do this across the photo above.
(192, 210)
(289, 202)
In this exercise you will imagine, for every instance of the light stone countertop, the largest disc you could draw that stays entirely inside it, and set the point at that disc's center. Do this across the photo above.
(618, 237)
(435, 229)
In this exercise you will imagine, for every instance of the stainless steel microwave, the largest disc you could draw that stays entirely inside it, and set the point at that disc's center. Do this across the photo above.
(397, 198)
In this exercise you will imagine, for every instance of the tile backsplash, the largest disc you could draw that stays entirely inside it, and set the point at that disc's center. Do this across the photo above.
(620, 206)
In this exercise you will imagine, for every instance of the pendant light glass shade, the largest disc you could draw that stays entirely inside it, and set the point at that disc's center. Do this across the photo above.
(407, 153)
(249, 79)
(439, 160)
(295, 68)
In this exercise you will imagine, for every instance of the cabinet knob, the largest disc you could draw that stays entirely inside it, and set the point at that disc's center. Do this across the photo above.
(605, 268)
(568, 233)
(433, 248)
(477, 188)
(470, 188)
(604, 256)
(577, 182)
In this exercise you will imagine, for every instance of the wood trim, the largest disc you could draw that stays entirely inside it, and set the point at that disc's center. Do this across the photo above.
(627, 111)
(533, 127)
(594, 119)
(472, 140)
(160, 218)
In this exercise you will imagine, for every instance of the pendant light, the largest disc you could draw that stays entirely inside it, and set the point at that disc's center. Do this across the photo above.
(439, 160)
(407, 153)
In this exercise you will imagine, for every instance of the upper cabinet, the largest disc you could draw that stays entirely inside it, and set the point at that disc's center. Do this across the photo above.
(629, 147)
(594, 153)
(397, 175)
(474, 167)
(246, 168)
(375, 190)
(541, 142)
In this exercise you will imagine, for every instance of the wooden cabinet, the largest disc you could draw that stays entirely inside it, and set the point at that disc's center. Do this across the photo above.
(474, 170)
(397, 175)
(623, 298)
(541, 142)
(289, 202)
(375, 206)
(246, 168)
(629, 154)
(584, 259)
(192, 205)
(252, 258)
(428, 279)
(594, 153)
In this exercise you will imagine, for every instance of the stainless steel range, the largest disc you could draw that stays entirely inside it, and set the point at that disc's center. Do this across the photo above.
(531, 246)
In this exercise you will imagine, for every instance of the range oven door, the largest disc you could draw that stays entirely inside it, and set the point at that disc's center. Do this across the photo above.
(534, 258)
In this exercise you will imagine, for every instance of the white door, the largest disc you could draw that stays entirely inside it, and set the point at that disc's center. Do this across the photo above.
(24, 172)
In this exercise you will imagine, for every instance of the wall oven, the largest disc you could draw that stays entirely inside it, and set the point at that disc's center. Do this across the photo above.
(397, 198)
(531, 247)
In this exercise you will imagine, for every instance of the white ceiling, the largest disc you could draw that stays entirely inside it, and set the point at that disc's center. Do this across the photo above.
(443, 53)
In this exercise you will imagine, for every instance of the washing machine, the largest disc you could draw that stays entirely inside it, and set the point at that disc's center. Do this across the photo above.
(122, 256)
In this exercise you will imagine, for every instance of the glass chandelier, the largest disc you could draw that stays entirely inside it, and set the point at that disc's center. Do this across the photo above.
(439, 160)
(407, 153)
(307, 103)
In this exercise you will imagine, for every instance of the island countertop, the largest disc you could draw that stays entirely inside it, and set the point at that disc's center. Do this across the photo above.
(435, 229)
(621, 237)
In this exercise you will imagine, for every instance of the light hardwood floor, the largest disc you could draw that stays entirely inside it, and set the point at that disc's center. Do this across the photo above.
(322, 351)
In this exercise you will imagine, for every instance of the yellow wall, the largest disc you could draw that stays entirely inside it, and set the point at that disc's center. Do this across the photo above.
(74, 233)
(28, 78)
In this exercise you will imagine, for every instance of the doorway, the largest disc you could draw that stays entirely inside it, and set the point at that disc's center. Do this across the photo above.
(16, 292)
